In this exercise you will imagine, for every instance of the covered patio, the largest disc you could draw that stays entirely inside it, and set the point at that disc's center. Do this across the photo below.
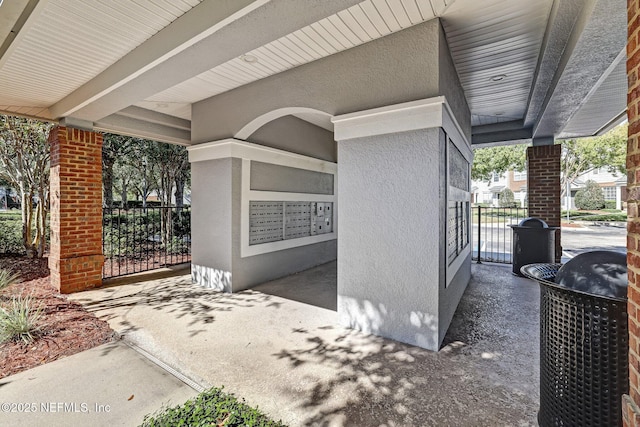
(292, 360)
(342, 131)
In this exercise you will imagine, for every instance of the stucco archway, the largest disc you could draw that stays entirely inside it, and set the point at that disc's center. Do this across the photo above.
(311, 115)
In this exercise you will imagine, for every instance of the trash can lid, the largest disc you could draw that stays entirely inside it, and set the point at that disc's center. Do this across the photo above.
(601, 273)
(533, 222)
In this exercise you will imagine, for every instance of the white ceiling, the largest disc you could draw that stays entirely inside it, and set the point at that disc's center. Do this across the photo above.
(497, 39)
(122, 42)
(356, 25)
(37, 73)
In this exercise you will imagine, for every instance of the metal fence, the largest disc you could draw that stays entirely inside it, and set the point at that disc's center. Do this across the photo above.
(142, 239)
(493, 238)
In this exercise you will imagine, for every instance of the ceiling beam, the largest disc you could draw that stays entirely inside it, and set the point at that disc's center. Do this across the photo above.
(124, 125)
(238, 27)
(20, 16)
(560, 26)
(498, 127)
(595, 44)
(190, 28)
(155, 117)
(501, 137)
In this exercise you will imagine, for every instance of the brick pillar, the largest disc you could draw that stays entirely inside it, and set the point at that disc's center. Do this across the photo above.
(631, 402)
(543, 186)
(75, 257)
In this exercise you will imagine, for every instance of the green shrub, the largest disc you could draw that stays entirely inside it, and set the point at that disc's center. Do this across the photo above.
(181, 222)
(19, 321)
(131, 233)
(11, 236)
(211, 408)
(590, 197)
(177, 245)
(506, 199)
(7, 278)
(609, 204)
(607, 217)
(11, 233)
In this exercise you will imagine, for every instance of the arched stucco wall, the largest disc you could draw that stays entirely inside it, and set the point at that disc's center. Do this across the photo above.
(255, 124)
(300, 130)
(292, 134)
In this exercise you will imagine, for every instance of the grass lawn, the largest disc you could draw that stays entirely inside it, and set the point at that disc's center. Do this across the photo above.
(10, 214)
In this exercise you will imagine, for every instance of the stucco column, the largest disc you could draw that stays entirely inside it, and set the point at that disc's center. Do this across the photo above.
(543, 186)
(75, 257)
(397, 276)
(631, 402)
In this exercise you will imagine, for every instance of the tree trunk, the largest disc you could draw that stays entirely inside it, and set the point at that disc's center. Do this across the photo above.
(179, 193)
(27, 211)
(123, 194)
(107, 182)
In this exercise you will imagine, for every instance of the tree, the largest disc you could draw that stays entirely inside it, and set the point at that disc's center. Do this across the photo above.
(582, 155)
(506, 199)
(172, 162)
(141, 171)
(24, 161)
(183, 178)
(487, 161)
(590, 197)
(5, 185)
(114, 148)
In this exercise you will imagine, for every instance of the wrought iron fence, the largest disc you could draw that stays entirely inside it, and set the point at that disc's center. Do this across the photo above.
(142, 239)
(493, 238)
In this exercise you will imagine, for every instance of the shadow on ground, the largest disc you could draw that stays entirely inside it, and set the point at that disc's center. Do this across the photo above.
(295, 363)
(174, 296)
(485, 374)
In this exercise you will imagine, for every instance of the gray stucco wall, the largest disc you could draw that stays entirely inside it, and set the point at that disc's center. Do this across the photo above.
(270, 177)
(211, 213)
(450, 296)
(400, 67)
(388, 274)
(297, 136)
(451, 88)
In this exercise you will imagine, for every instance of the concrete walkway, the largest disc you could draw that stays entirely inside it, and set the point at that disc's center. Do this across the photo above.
(293, 361)
(110, 385)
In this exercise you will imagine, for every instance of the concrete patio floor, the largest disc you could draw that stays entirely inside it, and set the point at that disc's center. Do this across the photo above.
(293, 360)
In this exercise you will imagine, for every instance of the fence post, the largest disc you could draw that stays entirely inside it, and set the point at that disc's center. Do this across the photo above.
(479, 234)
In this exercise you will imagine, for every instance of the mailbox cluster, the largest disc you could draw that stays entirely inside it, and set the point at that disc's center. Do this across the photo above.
(458, 228)
(271, 221)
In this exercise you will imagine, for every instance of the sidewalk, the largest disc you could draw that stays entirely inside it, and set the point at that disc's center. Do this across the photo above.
(110, 385)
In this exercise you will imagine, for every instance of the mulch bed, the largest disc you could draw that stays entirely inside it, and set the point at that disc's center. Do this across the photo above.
(66, 327)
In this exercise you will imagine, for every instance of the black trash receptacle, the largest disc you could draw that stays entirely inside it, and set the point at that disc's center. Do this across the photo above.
(584, 339)
(533, 242)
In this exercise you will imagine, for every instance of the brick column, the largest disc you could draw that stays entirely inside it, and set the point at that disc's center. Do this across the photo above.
(630, 403)
(75, 257)
(543, 186)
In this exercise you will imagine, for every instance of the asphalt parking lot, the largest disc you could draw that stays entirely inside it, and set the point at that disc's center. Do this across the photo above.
(593, 238)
